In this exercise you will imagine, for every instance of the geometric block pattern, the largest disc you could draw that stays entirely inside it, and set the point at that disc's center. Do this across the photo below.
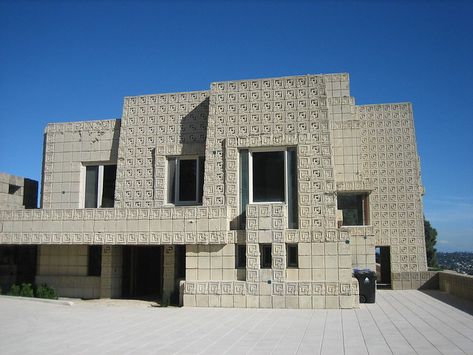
(390, 161)
(117, 226)
(67, 146)
(153, 128)
(340, 147)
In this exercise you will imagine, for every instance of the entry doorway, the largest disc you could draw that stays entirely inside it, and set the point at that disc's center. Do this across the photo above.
(142, 272)
(383, 266)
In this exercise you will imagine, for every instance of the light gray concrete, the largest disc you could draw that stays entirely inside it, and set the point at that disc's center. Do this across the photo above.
(401, 322)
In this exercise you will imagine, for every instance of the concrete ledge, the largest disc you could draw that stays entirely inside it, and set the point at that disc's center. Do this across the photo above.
(456, 284)
(40, 300)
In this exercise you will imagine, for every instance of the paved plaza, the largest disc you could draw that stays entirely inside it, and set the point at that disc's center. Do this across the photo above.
(401, 322)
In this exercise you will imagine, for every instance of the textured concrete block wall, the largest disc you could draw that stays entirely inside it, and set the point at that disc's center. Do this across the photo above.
(67, 147)
(155, 127)
(340, 148)
(11, 200)
(281, 112)
(390, 160)
(64, 267)
(210, 262)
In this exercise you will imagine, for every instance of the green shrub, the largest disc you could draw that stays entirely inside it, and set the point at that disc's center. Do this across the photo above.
(14, 290)
(26, 290)
(44, 291)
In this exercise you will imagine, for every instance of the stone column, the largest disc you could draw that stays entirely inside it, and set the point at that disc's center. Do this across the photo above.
(111, 277)
(168, 273)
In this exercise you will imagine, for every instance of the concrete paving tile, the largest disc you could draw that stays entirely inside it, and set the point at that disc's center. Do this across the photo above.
(401, 322)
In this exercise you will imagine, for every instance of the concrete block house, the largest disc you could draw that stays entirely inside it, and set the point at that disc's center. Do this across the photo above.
(256, 193)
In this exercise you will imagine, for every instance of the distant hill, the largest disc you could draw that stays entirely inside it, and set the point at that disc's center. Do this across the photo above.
(461, 262)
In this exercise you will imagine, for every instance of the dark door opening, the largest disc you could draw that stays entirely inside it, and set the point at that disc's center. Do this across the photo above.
(17, 265)
(142, 272)
(383, 266)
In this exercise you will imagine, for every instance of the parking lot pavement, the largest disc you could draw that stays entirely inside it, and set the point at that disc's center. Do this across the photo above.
(401, 322)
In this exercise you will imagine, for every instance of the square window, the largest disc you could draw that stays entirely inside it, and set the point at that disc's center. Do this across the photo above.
(240, 256)
(185, 180)
(354, 207)
(266, 257)
(292, 255)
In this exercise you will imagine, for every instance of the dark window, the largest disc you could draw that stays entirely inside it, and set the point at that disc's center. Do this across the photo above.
(240, 256)
(292, 255)
(185, 180)
(188, 180)
(292, 206)
(244, 187)
(91, 186)
(94, 264)
(13, 189)
(268, 176)
(108, 192)
(266, 258)
(354, 209)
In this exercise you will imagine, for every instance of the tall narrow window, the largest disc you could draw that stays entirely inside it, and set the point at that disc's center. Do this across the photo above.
(244, 188)
(292, 195)
(268, 183)
(292, 255)
(108, 191)
(185, 180)
(91, 186)
(94, 262)
(266, 257)
(99, 186)
(240, 256)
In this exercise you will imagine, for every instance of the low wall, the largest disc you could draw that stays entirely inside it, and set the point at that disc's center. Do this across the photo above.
(456, 284)
(414, 280)
(72, 286)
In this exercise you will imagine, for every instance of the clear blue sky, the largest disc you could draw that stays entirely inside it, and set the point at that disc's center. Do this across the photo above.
(69, 61)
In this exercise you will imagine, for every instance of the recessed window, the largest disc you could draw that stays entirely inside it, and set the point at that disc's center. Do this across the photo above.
(99, 189)
(269, 176)
(94, 262)
(292, 255)
(185, 180)
(13, 189)
(354, 207)
(240, 256)
(266, 257)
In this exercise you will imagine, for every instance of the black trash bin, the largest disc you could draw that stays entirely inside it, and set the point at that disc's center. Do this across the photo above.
(367, 281)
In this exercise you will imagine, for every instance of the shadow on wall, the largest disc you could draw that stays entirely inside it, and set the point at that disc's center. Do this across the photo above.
(194, 127)
(115, 141)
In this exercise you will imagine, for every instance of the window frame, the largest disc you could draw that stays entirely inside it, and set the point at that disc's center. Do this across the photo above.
(100, 181)
(200, 160)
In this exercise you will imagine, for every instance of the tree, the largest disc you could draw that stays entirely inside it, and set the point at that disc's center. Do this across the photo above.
(430, 241)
